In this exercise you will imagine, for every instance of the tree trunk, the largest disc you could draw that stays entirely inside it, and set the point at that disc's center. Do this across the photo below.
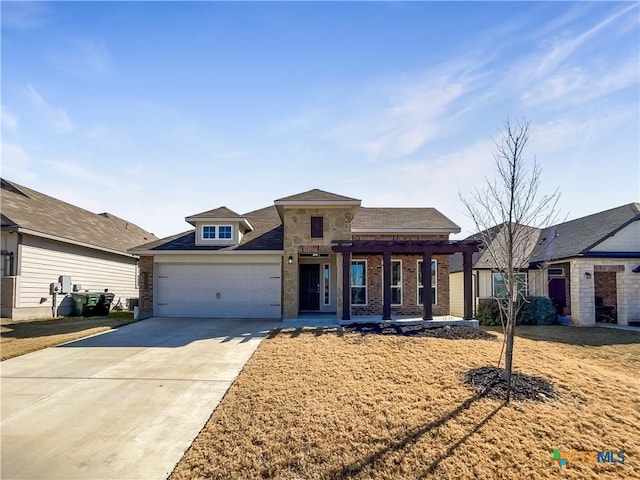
(508, 358)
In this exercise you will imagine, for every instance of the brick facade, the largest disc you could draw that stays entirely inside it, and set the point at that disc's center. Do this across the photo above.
(410, 304)
(146, 285)
(605, 288)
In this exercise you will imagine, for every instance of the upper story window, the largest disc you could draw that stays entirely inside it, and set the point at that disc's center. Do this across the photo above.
(217, 232)
(224, 232)
(208, 232)
(317, 227)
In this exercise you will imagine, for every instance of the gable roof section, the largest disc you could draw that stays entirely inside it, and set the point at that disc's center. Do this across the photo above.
(402, 219)
(577, 237)
(220, 214)
(485, 260)
(316, 195)
(265, 236)
(36, 213)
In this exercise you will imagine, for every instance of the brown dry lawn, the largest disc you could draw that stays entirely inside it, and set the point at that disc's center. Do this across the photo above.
(18, 338)
(325, 404)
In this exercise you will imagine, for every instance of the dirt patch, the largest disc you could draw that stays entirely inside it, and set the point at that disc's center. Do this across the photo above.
(490, 382)
(451, 332)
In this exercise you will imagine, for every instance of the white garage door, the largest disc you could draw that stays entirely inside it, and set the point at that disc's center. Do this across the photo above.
(224, 290)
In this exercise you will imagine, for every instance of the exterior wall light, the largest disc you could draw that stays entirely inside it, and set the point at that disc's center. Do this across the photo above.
(587, 275)
(290, 260)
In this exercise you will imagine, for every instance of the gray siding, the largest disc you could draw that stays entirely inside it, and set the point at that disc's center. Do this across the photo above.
(626, 240)
(43, 261)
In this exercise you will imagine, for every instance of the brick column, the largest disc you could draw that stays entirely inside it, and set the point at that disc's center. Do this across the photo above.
(145, 286)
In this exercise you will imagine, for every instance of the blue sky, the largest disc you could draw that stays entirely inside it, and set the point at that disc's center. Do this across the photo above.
(155, 111)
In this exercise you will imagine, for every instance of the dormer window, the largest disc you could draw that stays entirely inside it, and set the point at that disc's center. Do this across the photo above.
(224, 232)
(209, 232)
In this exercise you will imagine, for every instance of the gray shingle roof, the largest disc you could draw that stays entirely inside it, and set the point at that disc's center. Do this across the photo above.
(317, 195)
(565, 240)
(578, 236)
(28, 209)
(266, 235)
(220, 212)
(402, 218)
(485, 260)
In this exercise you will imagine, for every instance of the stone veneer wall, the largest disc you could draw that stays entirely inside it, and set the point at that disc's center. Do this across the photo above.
(410, 304)
(297, 234)
(146, 285)
(583, 289)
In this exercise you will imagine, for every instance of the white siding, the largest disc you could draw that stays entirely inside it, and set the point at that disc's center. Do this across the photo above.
(43, 261)
(456, 294)
(484, 283)
(626, 240)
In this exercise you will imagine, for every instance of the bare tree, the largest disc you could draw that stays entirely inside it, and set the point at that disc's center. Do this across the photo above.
(507, 213)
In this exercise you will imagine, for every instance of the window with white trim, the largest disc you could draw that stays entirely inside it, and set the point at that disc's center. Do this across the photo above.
(209, 232)
(396, 282)
(434, 282)
(499, 286)
(359, 282)
(224, 232)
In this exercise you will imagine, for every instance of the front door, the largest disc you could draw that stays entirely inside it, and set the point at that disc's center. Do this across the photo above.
(310, 287)
(557, 293)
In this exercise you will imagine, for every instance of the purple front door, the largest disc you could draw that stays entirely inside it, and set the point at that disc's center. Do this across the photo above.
(558, 293)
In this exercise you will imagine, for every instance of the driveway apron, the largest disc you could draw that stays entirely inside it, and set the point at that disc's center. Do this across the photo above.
(125, 404)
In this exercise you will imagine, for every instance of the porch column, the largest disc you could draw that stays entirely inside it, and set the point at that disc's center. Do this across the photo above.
(467, 284)
(346, 285)
(386, 282)
(427, 293)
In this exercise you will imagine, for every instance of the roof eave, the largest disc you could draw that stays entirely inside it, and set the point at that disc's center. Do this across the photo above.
(208, 252)
(73, 242)
(406, 230)
(319, 203)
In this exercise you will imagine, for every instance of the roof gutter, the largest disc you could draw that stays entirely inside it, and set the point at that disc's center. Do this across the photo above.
(406, 230)
(208, 252)
(72, 242)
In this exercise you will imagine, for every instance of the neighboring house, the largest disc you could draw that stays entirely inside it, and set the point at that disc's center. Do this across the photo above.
(44, 238)
(487, 283)
(589, 267)
(311, 252)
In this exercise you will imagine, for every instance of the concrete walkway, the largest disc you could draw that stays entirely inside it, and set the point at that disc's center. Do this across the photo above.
(125, 404)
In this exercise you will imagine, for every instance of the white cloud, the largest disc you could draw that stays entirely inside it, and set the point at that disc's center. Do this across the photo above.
(57, 118)
(16, 163)
(402, 117)
(9, 121)
(578, 86)
(563, 132)
(562, 50)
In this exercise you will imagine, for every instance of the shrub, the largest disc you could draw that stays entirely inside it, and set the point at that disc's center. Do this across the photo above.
(534, 311)
(538, 311)
(488, 312)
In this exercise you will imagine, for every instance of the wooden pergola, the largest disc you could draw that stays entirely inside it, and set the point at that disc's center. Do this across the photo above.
(386, 248)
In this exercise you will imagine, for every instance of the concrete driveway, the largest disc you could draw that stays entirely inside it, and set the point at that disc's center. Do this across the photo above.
(125, 404)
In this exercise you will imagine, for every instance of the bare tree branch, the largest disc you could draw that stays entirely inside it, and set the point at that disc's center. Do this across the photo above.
(507, 214)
